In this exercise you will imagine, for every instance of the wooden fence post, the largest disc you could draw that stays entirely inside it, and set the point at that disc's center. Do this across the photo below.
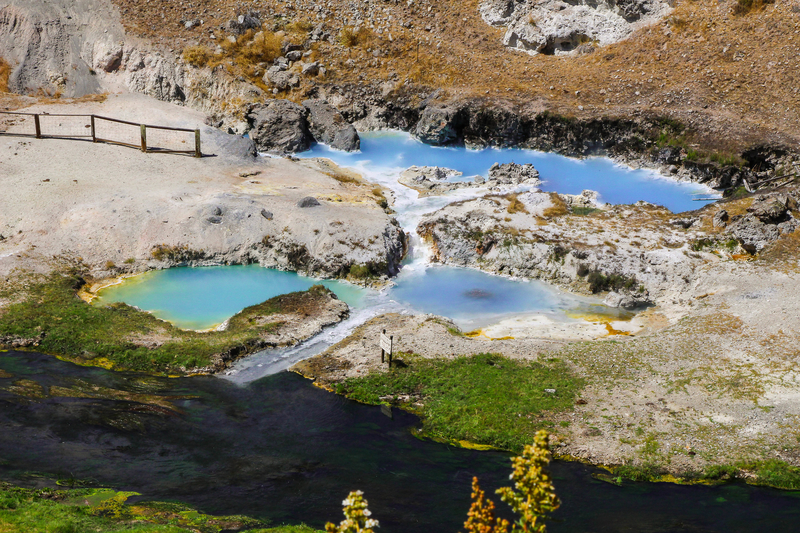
(383, 352)
(143, 128)
(38, 126)
(94, 136)
(197, 152)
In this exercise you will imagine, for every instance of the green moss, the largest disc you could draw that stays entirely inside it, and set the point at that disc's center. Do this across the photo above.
(106, 511)
(585, 211)
(708, 243)
(484, 399)
(645, 472)
(112, 336)
(360, 271)
(771, 473)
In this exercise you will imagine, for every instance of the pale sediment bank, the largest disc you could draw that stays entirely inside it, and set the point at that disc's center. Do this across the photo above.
(120, 210)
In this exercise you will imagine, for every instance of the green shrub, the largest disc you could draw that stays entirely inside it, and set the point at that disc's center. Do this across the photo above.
(360, 271)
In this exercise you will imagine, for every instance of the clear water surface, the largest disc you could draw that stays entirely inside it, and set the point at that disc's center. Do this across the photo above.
(201, 298)
(394, 151)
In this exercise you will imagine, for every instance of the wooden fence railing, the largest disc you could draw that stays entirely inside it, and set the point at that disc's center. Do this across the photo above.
(148, 138)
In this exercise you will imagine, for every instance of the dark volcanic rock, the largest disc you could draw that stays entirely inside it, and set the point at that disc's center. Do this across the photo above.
(438, 125)
(328, 126)
(280, 126)
(308, 201)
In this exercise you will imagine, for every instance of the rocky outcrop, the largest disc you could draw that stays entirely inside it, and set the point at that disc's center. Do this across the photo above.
(306, 314)
(767, 219)
(478, 123)
(432, 181)
(54, 46)
(558, 27)
(637, 262)
(438, 125)
(281, 79)
(514, 174)
(279, 126)
(328, 126)
(586, 200)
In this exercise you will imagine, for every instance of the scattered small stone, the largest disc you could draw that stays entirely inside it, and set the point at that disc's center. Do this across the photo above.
(308, 201)
(266, 214)
(249, 174)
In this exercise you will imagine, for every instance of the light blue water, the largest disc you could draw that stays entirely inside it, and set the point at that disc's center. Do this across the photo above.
(200, 298)
(475, 299)
(392, 150)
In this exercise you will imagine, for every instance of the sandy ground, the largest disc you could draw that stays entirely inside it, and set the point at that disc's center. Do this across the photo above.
(112, 204)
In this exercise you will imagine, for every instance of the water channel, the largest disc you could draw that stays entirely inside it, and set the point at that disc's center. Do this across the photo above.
(283, 450)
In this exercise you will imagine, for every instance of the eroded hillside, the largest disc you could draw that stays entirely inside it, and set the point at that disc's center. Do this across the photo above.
(731, 75)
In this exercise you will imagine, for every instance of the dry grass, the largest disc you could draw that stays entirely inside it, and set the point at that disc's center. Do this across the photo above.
(785, 252)
(743, 7)
(515, 205)
(558, 209)
(197, 56)
(5, 73)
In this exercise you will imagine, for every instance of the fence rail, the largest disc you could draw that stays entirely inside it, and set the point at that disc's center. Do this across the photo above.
(146, 137)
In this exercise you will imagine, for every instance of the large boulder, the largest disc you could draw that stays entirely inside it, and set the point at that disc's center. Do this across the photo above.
(753, 234)
(772, 209)
(246, 21)
(438, 125)
(279, 126)
(281, 79)
(328, 126)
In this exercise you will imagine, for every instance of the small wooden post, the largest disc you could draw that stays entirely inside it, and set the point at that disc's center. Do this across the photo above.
(386, 346)
(37, 126)
(143, 129)
(197, 152)
(94, 136)
(383, 353)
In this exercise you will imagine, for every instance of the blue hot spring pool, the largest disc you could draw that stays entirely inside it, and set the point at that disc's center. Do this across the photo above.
(394, 151)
